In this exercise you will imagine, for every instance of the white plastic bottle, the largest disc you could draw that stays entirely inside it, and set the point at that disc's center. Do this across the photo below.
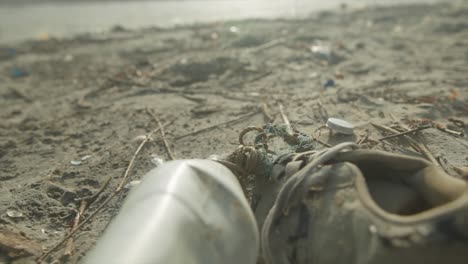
(183, 212)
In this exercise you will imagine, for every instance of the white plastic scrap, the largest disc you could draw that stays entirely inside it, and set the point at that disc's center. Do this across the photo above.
(85, 157)
(131, 184)
(14, 214)
(234, 29)
(321, 50)
(141, 138)
(78, 162)
(156, 160)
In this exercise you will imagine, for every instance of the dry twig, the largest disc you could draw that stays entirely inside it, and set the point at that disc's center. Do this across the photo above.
(322, 111)
(230, 122)
(317, 134)
(132, 161)
(323, 143)
(76, 221)
(418, 146)
(283, 116)
(268, 118)
(405, 133)
(363, 139)
(163, 134)
(268, 45)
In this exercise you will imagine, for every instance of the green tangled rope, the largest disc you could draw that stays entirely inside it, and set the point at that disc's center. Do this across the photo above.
(299, 142)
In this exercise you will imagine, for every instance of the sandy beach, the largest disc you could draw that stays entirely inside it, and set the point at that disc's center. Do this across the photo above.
(73, 110)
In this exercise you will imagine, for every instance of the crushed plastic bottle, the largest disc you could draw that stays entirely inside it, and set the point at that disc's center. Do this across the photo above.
(185, 211)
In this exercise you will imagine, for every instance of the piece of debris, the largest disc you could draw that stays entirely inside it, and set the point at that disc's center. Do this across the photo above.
(449, 131)
(118, 28)
(132, 184)
(16, 245)
(140, 138)
(340, 126)
(195, 98)
(321, 51)
(406, 132)
(234, 29)
(205, 110)
(18, 73)
(457, 122)
(14, 214)
(76, 162)
(329, 83)
(339, 75)
(85, 157)
(156, 160)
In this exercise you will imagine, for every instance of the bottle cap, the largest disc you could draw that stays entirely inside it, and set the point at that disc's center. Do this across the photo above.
(340, 126)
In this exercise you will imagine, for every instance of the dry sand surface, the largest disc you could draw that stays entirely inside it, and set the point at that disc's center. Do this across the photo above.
(72, 111)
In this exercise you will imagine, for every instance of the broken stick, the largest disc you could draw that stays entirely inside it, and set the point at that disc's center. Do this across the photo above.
(421, 147)
(405, 133)
(163, 134)
(230, 122)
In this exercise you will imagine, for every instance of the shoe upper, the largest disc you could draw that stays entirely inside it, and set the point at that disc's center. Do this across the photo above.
(364, 206)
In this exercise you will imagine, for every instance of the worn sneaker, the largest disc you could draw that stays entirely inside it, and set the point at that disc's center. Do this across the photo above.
(345, 205)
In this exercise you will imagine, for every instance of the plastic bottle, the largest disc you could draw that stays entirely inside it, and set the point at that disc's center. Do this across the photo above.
(183, 212)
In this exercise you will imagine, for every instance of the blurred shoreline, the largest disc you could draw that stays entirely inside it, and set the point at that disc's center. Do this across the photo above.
(25, 19)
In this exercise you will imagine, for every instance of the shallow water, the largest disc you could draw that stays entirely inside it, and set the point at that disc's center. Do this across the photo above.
(20, 22)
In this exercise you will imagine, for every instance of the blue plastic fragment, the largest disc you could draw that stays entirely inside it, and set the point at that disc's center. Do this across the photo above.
(18, 73)
(329, 83)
